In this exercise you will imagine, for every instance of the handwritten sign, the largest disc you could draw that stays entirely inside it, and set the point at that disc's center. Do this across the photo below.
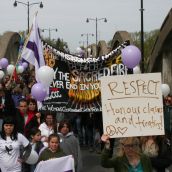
(132, 105)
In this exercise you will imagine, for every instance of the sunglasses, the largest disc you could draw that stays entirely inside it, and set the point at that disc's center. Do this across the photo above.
(127, 146)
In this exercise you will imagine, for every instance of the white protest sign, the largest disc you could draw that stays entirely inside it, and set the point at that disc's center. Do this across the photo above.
(132, 105)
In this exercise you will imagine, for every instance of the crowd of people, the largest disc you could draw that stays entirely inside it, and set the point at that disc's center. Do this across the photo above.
(24, 129)
(23, 133)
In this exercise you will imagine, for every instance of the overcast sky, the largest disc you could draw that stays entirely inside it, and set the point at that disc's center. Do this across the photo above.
(69, 17)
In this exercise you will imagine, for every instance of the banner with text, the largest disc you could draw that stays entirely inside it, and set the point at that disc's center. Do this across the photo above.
(132, 105)
(76, 84)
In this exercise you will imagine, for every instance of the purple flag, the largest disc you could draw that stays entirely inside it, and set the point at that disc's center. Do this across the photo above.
(33, 52)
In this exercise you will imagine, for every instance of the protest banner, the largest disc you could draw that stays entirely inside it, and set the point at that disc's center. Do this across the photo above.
(63, 164)
(76, 84)
(132, 105)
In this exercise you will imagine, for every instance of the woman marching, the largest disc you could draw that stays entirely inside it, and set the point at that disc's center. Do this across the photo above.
(10, 147)
(129, 158)
(48, 127)
(70, 144)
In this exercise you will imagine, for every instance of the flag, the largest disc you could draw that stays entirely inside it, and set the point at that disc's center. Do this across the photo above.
(63, 164)
(33, 51)
(15, 76)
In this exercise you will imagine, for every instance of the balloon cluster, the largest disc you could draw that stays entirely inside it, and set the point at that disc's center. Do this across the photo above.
(45, 75)
(19, 68)
(10, 68)
(131, 56)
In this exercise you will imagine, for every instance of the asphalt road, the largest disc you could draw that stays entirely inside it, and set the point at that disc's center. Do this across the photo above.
(91, 162)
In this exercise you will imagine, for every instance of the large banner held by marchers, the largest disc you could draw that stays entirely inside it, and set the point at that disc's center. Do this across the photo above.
(76, 84)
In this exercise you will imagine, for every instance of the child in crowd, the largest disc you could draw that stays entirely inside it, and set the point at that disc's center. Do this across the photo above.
(36, 143)
(69, 143)
(53, 150)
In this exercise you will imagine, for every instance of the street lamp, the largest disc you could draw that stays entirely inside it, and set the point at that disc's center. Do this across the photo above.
(142, 36)
(28, 7)
(96, 20)
(82, 43)
(87, 35)
(49, 31)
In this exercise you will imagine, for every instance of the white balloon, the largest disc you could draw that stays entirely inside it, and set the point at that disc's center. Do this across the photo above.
(20, 69)
(89, 50)
(1, 74)
(33, 157)
(136, 70)
(78, 50)
(165, 89)
(45, 75)
(10, 69)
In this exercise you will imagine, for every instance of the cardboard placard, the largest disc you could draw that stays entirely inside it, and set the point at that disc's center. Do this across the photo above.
(132, 105)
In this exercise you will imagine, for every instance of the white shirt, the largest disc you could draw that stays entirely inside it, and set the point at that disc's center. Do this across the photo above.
(45, 132)
(10, 152)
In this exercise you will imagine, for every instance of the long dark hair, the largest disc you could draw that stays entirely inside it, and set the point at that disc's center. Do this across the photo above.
(31, 100)
(9, 120)
(64, 122)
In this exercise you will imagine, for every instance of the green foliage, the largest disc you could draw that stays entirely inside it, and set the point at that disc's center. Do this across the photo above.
(59, 44)
(149, 41)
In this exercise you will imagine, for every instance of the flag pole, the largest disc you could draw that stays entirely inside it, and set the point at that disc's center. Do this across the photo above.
(24, 46)
(27, 39)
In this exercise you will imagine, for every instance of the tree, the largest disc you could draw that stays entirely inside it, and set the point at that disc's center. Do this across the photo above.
(59, 44)
(149, 41)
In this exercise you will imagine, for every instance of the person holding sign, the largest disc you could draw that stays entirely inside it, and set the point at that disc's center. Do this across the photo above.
(129, 158)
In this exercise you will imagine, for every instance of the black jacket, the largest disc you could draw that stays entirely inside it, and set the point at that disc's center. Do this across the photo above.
(164, 158)
(21, 127)
(9, 106)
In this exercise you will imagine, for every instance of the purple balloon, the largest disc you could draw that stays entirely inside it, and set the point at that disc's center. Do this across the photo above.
(25, 65)
(3, 62)
(131, 56)
(38, 91)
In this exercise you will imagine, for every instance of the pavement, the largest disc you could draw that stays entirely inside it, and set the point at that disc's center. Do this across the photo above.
(91, 162)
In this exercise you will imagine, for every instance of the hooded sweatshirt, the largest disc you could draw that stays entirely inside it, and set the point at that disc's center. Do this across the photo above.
(70, 145)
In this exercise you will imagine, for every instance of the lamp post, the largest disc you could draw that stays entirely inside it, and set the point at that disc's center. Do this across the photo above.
(82, 43)
(96, 21)
(28, 9)
(142, 36)
(49, 31)
(87, 35)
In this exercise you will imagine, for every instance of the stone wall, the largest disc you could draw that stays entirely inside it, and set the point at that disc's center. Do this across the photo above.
(9, 45)
(161, 56)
